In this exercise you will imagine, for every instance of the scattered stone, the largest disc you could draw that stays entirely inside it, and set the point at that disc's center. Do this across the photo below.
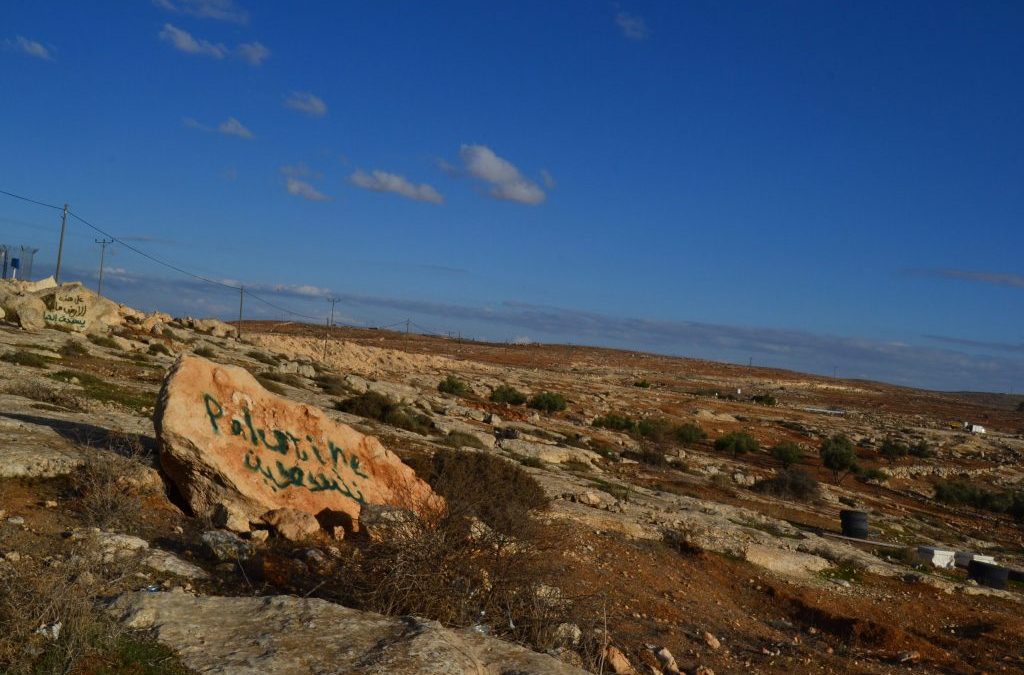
(292, 524)
(589, 498)
(259, 536)
(908, 656)
(703, 670)
(617, 661)
(16, 521)
(711, 641)
(225, 440)
(224, 546)
(667, 661)
(50, 503)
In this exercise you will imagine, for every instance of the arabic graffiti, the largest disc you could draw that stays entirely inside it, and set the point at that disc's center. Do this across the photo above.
(284, 460)
(68, 308)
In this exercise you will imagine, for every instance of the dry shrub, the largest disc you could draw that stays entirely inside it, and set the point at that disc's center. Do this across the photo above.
(37, 391)
(484, 561)
(108, 486)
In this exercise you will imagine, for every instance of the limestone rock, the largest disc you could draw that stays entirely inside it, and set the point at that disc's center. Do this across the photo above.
(75, 307)
(225, 546)
(292, 636)
(552, 454)
(291, 524)
(226, 440)
(617, 661)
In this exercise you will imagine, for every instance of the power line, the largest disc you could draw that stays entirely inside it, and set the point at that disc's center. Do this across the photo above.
(31, 201)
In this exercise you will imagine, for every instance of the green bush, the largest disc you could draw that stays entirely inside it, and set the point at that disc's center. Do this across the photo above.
(657, 429)
(262, 357)
(787, 453)
(159, 348)
(381, 408)
(508, 395)
(790, 484)
(23, 358)
(642, 384)
(689, 433)
(838, 456)
(454, 386)
(332, 384)
(892, 450)
(958, 492)
(99, 389)
(614, 422)
(764, 399)
(458, 439)
(873, 474)
(921, 449)
(738, 443)
(205, 352)
(547, 401)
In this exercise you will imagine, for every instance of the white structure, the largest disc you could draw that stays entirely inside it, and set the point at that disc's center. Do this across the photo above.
(937, 557)
(964, 558)
(972, 428)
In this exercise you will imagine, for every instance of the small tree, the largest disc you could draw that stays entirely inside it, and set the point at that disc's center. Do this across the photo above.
(787, 453)
(689, 433)
(508, 394)
(764, 399)
(837, 454)
(892, 450)
(920, 449)
(738, 443)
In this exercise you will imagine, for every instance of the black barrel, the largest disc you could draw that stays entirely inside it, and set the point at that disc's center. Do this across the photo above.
(855, 523)
(988, 574)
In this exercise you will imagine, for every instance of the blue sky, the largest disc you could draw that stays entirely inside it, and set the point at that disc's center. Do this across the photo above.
(810, 185)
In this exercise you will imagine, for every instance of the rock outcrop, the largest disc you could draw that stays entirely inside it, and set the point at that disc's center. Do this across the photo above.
(36, 305)
(235, 451)
(287, 635)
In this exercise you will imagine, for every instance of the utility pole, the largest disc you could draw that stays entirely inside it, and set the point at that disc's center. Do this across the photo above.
(103, 253)
(333, 302)
(330, 323)
(407, 326)
(835, 371)
(241, 301)
(60, 247)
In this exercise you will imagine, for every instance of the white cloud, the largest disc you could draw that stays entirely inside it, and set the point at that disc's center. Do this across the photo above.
(549, 180)
(307, 103)
(253, 53)
(229, 127)
(233, 127)
(382, 181)
(29, 48)
(219, 10)
(183, 41)
(633, 27)
(506, 181)
(300, 170)
(301, 188)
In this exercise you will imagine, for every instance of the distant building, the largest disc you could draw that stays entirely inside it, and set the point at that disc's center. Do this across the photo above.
(972, 428)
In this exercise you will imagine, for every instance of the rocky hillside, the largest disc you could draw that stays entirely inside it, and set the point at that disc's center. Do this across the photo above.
(560, 509)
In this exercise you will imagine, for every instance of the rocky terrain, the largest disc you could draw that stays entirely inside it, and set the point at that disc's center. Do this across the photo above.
(617, 525)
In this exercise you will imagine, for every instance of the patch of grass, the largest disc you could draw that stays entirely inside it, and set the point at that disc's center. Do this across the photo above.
(158, 348)
(577, 466)
(271, 385)
(167, 333)
(873, 475)
(508, 395)
(262, 357)
(843, 572)
(291, 379)
(959, 492)
(454, 386)
(205, 351)
(642, 384)
(689, 433)
(25, 358)
(548, 401)
(381, 408)
(138, 654)
(620, 492)
(614, 422)
(98, 389)
(59, 398)
(73, 348)
(103, 341)
(458, 439)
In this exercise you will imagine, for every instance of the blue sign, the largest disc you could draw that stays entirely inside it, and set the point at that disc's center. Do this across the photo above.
(15, 263)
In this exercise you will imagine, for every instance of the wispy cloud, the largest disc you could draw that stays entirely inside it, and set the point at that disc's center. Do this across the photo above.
(296, 184)
(229, 127)
(233, 127)
(549, 180)
(1006, 279)
(505, 179)
(28, 47)
(307, 103)
(1017, 347)
(633, 27)
(218, 10)
(184, 42)
(382, 181)
(253, 53)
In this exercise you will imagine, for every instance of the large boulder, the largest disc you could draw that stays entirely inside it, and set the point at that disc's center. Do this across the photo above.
(284, 634)
(75, 307)
(235, 451)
